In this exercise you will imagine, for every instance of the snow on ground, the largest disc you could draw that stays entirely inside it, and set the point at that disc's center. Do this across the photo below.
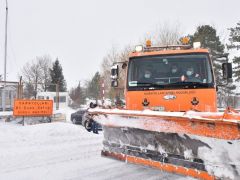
(5, 113)
(62, 151)
(67, 111)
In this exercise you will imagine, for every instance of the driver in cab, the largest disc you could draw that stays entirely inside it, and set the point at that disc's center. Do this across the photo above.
(175, 71)
(191, 76)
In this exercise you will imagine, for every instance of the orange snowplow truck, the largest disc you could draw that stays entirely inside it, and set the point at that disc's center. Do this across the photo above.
(172, 78)
(171, 120)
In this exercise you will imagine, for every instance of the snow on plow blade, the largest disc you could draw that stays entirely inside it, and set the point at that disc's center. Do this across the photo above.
(197, 144)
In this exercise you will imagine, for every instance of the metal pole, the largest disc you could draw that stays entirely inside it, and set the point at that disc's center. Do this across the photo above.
(19, 96)
(226, 55)
(5, 60)
(57, 96)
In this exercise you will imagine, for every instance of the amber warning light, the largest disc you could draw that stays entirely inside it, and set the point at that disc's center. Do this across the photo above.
(33, 108)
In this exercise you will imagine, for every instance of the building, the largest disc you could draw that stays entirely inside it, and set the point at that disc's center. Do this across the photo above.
(11, 94)
(64, 98)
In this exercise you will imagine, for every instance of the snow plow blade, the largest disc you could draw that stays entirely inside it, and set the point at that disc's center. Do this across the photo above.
(202, 145)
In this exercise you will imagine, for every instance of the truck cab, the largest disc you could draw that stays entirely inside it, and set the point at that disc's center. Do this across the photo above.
(171, 78)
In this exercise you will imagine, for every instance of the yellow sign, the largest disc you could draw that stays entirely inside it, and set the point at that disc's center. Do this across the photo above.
(33, 108)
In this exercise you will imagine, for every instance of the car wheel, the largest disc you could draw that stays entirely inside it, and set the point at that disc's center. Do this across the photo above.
(84, 119)
(74, 121)
(88, 125)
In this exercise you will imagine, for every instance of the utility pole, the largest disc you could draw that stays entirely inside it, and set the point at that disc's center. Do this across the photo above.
(5, 61)
(20, 89)
(57, 96)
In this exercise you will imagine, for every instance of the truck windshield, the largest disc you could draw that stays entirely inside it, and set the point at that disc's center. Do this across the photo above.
(188, 70)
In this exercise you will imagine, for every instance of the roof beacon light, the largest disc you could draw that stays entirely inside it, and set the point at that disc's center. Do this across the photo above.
(148, 43)
(185, 40)
(196, 45)
(139, 48)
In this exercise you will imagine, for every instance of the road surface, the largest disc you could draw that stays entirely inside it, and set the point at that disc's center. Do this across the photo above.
(62, 151)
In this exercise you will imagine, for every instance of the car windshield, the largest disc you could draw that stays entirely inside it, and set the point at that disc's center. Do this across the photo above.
(170, 71)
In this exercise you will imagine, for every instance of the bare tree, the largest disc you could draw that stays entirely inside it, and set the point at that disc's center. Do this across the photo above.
(31, 75)
(165, 34)
(112, 57)
(107, 62)
(45, 63)
(36, 75)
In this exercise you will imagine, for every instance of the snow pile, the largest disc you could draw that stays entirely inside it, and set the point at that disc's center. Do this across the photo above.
(140, 123)
(67, 111)
(106, 102)
(188, 154)
(64, 114)
(27, 151)
(223, 159)
(6, 113)
(62, 151)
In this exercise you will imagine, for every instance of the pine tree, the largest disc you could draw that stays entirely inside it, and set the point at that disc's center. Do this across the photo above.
(235, 45)
(93, 88)
(57, 77)
(207, 35)
(29, 91)
(77, 95)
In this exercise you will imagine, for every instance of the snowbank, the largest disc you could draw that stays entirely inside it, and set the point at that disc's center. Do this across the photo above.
(62, 151)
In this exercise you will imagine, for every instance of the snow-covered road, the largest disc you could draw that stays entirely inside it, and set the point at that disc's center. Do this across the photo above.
(62, 151)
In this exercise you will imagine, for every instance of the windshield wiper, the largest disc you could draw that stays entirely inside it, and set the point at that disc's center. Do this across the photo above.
(189, 83)
(150, 84)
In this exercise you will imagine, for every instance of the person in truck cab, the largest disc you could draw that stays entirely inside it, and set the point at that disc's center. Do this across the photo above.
(147, 76)
(191, 75)
(175, 71)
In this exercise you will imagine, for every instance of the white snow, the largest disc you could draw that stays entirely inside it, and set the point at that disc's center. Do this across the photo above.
(188, 154)
(62, 151)
(67, 111)
(189, 114)
(220, 158)
(5, 113)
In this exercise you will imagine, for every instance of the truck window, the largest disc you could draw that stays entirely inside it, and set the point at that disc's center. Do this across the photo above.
(166, 71)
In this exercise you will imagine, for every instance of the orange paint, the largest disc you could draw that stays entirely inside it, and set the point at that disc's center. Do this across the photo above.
(182, 102)
(168, 52)
(215, 126)
(33, 108)
(162, 166)
(207, 97)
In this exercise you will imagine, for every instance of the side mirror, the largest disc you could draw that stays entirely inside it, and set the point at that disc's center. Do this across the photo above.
(227, 70)
(114, 72)
(92, 105)
(114, 83)
(124, 65)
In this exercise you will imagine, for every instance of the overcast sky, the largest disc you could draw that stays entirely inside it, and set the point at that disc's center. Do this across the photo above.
(80, 32)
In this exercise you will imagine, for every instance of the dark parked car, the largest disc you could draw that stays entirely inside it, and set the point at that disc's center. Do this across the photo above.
(82, 117)
(77, 117)
(90, 125)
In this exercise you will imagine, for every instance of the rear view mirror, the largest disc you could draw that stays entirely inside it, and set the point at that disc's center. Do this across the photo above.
(227, 70)
(114, 72)
(114, 83)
